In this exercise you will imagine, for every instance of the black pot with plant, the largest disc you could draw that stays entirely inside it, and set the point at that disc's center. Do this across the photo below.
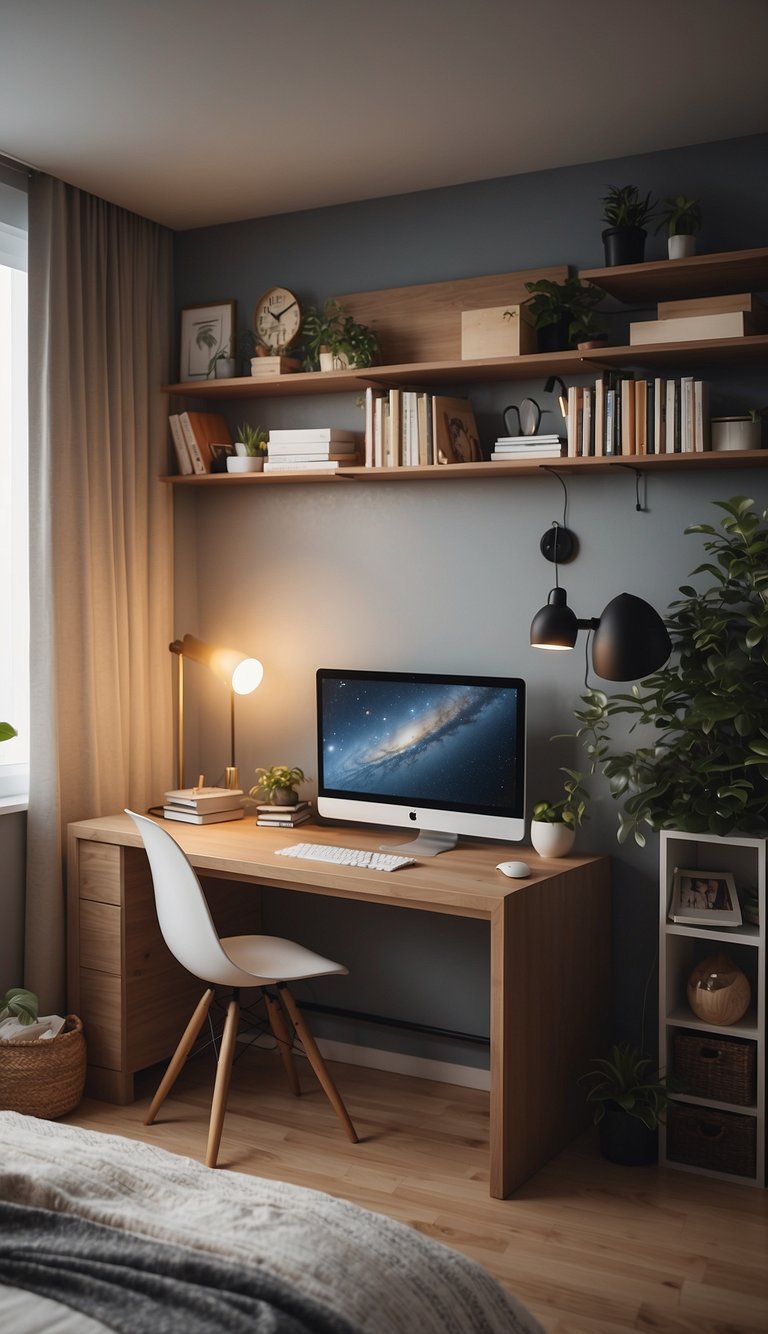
(627, 213)
(702, 764)
(557, 310)
(628, 1105)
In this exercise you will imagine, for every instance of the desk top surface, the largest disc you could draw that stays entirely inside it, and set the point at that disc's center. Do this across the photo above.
(463, 881)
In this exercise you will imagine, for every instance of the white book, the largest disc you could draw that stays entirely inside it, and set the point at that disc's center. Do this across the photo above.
(198, 462)
(672, 432)
(686, 414)
(587, 441)
(315, 435)
(180, 445)
(277, 448)
(203, 798)
(202, 817)
(549, 438)
(309, 465)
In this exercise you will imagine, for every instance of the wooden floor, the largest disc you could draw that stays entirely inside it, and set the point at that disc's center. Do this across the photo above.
(589, 1247)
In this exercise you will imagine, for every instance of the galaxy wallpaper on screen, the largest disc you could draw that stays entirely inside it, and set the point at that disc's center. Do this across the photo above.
(449, 744)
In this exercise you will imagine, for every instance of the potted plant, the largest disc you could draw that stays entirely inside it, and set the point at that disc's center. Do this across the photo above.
(554, 308)
(586, 331)
(554, 823)
(627, 214)
(682, 219)
(335, 341)
(206, 338)
(278, 784)
(704, 766)
(250, 449)
(18, 1003)
(628, 1105)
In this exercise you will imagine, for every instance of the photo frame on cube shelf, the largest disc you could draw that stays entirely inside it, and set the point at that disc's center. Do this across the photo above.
(708, 898)
(207, 333)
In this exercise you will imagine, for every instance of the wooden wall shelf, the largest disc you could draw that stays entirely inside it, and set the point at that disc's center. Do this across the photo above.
(699, 275)
(486, 471)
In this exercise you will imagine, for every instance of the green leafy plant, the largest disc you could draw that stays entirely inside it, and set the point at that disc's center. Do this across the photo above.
(680, 216)
(570, 809)
(621, 1080)
(704, 768)
(253, 439)
(551, 302)
(278, 778)
(623, 206)
(7, 731)
(334, 331)
(18, 1003)
(207, 338)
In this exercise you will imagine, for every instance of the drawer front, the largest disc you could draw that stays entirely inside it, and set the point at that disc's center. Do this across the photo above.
(100, 936)
(100, 871)
(102, 1015)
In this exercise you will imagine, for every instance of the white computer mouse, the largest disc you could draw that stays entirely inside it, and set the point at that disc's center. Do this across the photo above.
(515, 870)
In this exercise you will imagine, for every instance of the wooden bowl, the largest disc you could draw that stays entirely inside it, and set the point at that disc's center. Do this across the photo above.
(718, 991)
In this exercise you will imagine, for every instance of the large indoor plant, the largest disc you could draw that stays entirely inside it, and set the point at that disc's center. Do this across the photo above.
(703, 766)
(334, 340)
(627, 213)
(556, 310)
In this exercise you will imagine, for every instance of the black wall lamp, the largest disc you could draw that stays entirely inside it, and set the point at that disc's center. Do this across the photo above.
(629, 641)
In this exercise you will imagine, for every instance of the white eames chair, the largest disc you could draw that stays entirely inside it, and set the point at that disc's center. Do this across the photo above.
(229, 961)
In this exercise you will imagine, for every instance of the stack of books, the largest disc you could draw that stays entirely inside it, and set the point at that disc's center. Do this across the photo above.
(312, 449)
(283, 817)
(203, 805)
(274, 365)
(527, 446)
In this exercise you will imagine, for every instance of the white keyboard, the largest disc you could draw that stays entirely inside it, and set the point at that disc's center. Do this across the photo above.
(371, 861)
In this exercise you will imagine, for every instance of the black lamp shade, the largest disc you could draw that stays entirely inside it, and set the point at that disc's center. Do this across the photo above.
(555, 626)
(630, 641)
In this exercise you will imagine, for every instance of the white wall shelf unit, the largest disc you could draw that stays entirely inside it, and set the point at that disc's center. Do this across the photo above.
(713, 1136)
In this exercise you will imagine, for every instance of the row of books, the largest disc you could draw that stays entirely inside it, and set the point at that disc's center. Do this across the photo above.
(312, 449)
(620, 415)
(197, 437)
(412, 428)
(203, 805)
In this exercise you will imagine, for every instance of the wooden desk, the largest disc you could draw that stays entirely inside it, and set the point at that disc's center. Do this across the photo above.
(549, 958)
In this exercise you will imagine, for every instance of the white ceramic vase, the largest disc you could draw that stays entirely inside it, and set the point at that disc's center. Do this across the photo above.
(225, 368)
(248, 464)
(552, 840)
(680, 247)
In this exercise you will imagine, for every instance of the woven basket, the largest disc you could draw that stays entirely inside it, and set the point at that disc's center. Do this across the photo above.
(719, 1141)
(719, 1068)
(44, 1078)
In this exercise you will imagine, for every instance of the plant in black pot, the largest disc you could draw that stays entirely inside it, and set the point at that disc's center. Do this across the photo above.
(702, 764)
(557, 309)
(627, 213)
(628, 1105)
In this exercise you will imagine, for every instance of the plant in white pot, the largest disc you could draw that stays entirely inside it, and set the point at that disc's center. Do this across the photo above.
(681, 218)
(250, 449)
(335, 341)
(554, 823)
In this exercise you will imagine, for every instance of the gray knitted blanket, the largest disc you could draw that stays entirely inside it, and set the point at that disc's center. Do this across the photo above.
(132, 1285)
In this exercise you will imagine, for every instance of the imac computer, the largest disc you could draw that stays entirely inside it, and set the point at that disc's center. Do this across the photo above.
(439, 754)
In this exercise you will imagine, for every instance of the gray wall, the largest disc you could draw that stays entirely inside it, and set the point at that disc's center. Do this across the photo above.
(440, 575)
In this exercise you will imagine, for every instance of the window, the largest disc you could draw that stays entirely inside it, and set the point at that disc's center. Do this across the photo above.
(14, 590)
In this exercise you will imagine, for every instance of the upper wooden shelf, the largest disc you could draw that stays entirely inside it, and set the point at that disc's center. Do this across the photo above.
(487, 471)
(700, 275)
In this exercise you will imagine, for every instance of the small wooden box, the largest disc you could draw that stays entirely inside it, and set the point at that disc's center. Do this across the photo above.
(497, 331)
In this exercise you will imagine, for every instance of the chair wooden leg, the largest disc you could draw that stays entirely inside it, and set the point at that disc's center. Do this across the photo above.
(283, 1040)
(180, 1055)
(221, 1087)
(316, 1061)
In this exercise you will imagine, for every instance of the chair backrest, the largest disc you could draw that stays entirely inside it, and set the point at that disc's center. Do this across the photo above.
(182, 911)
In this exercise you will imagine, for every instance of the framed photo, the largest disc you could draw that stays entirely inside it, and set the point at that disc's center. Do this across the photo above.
(706, 897)
(207, 333)
(219, 456)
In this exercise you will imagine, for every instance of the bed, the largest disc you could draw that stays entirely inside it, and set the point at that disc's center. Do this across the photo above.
(98, 1232)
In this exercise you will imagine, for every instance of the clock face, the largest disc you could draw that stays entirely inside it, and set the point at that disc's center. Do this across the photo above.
(277, 319)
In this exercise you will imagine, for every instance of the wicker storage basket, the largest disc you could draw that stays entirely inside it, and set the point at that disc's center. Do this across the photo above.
(719, 1068)
(719, 1141)
(44, 1078)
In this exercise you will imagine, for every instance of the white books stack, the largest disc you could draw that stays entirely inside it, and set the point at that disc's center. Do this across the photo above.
(312, 449)
(283, 817)
(527, 446)
(203, 805)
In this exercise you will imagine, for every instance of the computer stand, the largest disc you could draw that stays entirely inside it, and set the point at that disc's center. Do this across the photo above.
(428, 843)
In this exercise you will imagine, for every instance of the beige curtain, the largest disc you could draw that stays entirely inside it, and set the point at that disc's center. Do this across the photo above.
(100, 296)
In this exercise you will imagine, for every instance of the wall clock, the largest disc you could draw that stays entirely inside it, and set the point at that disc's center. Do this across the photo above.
(277, 319)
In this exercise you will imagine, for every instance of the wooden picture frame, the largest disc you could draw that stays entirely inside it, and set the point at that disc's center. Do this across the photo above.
(454, 431)
(206, 332)
(708, 898)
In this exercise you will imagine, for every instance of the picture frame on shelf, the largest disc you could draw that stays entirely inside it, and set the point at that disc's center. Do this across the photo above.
(219, 456)
(207, 333)
(707, 898)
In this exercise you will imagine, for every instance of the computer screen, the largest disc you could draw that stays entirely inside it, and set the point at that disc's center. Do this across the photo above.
(440, 754)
